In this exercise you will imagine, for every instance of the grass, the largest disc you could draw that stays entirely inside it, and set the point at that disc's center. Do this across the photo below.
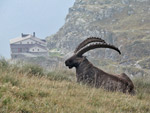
(61, 74)
(32, 69)
(22, 92)
(145, 63)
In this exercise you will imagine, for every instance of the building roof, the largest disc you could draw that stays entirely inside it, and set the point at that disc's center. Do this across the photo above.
(18, 39)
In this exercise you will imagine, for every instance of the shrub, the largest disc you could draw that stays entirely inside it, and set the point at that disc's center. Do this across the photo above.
(43, 94)
(3, 63)
(6, 101)
(26, 95)
(61, 75)
(142, 84)
(33, 69)
(12, 80)
(145, 63)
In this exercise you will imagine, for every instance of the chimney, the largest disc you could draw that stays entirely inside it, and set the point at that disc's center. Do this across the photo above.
(33, 34)
(21, 34)
(24, 35)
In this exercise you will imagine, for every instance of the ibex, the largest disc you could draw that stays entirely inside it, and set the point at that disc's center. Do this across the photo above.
(89, 74)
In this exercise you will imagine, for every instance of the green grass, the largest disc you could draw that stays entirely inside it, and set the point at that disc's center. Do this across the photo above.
(55, 54)
(32, 69)
(22, 92)
(61, 74)
(145, 63)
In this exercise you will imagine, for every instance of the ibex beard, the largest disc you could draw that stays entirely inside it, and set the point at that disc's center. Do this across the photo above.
(93, 76)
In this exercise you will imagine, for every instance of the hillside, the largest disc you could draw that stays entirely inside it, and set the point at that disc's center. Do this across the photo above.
(123, 23)
(28, 89)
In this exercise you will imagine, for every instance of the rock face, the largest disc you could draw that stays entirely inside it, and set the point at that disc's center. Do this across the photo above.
(123, 23)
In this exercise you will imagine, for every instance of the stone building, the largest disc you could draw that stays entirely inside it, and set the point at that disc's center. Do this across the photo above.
(28, 46)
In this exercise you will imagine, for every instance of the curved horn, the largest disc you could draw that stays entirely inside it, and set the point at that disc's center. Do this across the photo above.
(97, 45)
(87, 41)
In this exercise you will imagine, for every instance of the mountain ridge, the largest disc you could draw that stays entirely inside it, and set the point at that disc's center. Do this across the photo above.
(123, 23)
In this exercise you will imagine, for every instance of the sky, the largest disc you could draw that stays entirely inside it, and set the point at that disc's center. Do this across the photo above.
(44, 17)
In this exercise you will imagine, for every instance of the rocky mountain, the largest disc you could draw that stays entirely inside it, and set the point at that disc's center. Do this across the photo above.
(123, 23)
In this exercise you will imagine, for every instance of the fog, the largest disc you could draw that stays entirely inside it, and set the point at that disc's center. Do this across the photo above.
(44, 17)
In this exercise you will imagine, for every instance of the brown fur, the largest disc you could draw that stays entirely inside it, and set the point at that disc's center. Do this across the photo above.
(93, 76)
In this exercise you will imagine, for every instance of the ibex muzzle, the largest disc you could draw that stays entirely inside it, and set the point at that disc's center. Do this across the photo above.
(89, 74)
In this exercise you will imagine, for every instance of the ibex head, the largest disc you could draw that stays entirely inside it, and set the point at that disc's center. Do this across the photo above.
(77, 58)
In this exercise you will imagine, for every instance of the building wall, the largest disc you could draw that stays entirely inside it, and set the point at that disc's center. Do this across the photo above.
(20, 48)
(24, 48)
(37, 49)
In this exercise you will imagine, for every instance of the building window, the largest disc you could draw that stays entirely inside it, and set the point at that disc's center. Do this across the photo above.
(27, 42)
(19, 50)
(27, 50)
(38, 49)
(20, 42)
(32, 49)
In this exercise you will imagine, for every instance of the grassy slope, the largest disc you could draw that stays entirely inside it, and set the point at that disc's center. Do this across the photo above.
(26, 93)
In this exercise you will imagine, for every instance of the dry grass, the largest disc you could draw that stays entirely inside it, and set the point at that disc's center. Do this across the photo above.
(25, 93)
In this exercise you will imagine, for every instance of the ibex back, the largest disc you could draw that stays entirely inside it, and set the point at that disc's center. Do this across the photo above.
(89, 74)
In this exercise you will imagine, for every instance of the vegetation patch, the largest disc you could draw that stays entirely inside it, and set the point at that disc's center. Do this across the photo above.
(12, 80)
(33, 69)
(54, 94)
(60, 75)
(145, 63)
